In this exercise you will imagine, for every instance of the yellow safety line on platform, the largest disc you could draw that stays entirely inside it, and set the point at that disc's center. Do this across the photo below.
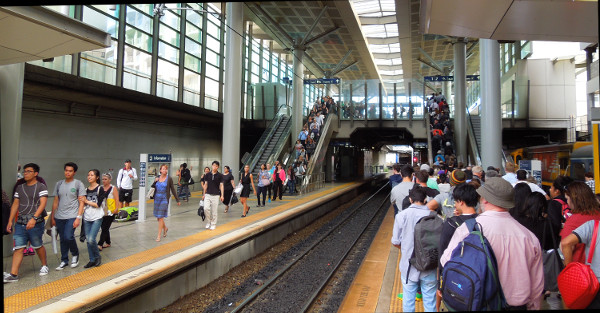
(396, 303)
(40, 294)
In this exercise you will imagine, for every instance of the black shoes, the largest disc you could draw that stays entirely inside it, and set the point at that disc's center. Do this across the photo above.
(90, 264)
(82, 238)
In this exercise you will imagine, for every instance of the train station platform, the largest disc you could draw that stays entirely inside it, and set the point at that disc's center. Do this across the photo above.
(377, 285)
(135, 259)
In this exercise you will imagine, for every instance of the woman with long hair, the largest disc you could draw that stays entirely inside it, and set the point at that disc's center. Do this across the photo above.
(263, 183)
(164, 187)
(522, 191)
(246, 181)
(228, 186)
(584, 207)
(111, 206)
(92, 216)
(278, 179)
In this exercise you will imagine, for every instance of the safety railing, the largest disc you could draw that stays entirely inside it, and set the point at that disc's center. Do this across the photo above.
(472, 139)
(312, 182)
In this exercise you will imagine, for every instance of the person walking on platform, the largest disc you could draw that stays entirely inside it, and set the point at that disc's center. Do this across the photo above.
(395, 178)
(263, 184)
(125, 180)
(163, 188)
(291, 184)
(271, 170)
(111, 206)
(29, 208)
(67, 211)
(517, 250)
(228, 186)
(278, 179)
(92, 216)
(403, 238)
(213, 192)
(183, 182)
(247, 181)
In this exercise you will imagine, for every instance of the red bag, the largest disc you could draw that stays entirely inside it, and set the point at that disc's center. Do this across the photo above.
(577, 282)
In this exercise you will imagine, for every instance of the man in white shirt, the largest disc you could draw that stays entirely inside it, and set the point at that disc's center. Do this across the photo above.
(522, 179)
(510, 175)
(125, 183)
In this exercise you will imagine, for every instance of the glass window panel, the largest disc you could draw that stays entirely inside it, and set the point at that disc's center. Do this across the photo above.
(255, 58)
(191, 98)
(101, 64)
(168, 35)
(211, 87)
(139, 20)
(146, 8)
(167, 80)
(62, 9)
(191, 80)
(213, 26)
(212, 57)
(193, 32)
(194, 17)
(193, 47)
(136, 82)
(138, 39)
(170, 19)
(211, 103)
(212, 71)
(212, 43)
(101, 21)
(105, 8)
(61, 63)
(192, 63)
(168, 52)
(254, 79)
(138, 61)
(265, 76)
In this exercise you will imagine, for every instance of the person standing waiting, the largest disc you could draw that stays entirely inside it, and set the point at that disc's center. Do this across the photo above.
(111, 207)
(213, 190)
(125, 180)
(164, 187)
(92, 217)
(271, 170)
(278, 179)
(30, 202)
(263, 183)
(246, 181)
(67, 210)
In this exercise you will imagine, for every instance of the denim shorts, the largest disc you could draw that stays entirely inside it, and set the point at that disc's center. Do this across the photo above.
(22, 235)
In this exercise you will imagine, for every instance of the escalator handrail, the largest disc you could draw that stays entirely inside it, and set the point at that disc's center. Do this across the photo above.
(472, 139)
(263, 142)
(280, 143)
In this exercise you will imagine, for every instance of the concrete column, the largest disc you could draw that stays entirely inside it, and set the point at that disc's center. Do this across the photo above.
(11, 102)
(447, 86)
(460, 106)
(298, 92)
(491, 144)
(233, 88)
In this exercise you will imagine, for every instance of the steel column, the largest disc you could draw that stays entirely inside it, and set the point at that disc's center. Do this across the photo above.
(460, 106)
(491, 153)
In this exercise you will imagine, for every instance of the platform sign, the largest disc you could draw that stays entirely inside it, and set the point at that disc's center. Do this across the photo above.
(142, 174)
(534, 168)
(439, 78)
(319, 81)
(159, 158)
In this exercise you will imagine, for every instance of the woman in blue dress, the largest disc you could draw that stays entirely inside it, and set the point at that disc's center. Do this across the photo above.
(164, 188)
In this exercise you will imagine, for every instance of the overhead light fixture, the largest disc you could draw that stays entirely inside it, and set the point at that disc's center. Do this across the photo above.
(112, 7)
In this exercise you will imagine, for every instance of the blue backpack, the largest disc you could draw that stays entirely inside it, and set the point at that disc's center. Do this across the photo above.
(470, 278)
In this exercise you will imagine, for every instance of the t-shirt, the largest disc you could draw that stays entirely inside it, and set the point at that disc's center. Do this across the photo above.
(395, 180)
(29, 197)
(448, 229)
(400, 192)
(227, 178)
(584, 233)
(91, 213)
(67, 194)
(212, 183)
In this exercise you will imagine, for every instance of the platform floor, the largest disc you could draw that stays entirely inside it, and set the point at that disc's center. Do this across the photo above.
(378, 282)
(133, 245)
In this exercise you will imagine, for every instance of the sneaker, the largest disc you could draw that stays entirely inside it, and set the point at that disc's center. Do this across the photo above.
(62, 266)
(31, 251)
(269, 200)
(75, 261)
(11, 278)
(207, 225)
(44, 270)
(213, 227)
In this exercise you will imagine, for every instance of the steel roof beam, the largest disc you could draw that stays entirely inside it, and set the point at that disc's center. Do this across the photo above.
(312, 28)
(344, 68)
(275, 24)
(323, 34)
(383, 40)
(337, 66)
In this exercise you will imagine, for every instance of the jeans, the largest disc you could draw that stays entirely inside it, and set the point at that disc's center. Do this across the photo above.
(21, 235)
(428, 285)
(291, 185)
(91, 230)
(261, 190)
(67, 238)
(105, 234)
(184, 192)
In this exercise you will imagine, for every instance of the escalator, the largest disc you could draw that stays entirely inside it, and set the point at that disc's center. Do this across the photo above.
(314, 171)
(271, 143)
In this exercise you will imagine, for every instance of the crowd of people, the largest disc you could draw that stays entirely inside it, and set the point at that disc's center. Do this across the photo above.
(520, 221)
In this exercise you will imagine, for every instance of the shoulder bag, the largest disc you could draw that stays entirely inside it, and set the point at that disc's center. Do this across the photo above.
(577, 283)
(553, 264)
(150, 194)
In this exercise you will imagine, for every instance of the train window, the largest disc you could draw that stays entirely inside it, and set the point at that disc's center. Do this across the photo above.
(563, 162)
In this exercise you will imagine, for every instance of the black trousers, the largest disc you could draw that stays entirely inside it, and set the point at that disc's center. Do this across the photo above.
(269, 188)
(105, 235)
(277, 189)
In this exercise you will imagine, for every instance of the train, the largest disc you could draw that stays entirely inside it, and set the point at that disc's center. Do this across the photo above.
(570, 159)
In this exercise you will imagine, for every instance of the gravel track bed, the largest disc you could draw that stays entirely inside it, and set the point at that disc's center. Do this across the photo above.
(235, 285)
(291, 291)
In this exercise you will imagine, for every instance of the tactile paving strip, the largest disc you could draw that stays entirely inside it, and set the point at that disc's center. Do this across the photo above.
(37, 295)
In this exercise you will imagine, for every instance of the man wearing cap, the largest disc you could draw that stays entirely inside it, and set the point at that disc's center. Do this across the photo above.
(517, 250)
(445, 201)
(125, 183)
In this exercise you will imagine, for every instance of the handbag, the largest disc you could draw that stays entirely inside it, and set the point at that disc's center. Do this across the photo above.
(577, 282)
(238, 189)
(150, 194)
(191, 182)
(265, 182)
(553, 264)
(201, 210)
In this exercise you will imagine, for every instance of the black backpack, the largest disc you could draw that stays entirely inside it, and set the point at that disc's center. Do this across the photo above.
(427, 239)
(185, 176)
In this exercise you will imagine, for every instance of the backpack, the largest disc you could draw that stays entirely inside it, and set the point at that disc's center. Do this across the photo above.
(566, 210)
(185, 176)
(427, 233)
(469, 280)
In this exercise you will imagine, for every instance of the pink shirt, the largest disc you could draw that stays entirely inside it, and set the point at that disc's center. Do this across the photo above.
(518, 254)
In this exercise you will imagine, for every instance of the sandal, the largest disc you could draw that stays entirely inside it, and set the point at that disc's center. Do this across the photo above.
(226, 209)
(165, 234)
(100, 247)
(158, 239)
(106, 245)
(243, 215)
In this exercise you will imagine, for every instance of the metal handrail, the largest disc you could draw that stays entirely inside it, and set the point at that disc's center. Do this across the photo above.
(263, 142)
(312, 162)
(280, 143)
(472, 139)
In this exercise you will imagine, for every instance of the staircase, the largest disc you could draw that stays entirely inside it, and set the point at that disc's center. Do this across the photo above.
(476, 122)
(270, 143)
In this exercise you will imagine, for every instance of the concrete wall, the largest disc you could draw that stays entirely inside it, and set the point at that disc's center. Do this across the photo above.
(50, 140)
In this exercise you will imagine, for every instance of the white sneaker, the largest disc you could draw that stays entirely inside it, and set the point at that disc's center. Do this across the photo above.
(62, 266)
(75, 261)
(213, 227)
(207, 225)
(44, 270)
